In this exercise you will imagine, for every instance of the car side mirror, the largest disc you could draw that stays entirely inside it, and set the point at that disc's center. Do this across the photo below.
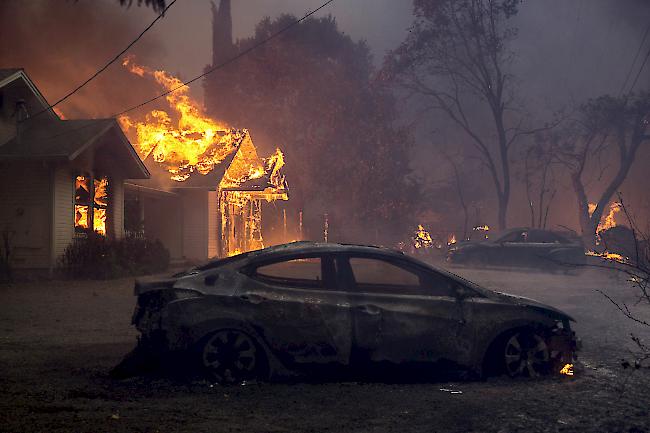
(211, 280)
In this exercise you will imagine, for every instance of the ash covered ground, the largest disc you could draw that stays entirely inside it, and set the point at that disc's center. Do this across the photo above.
(60, 339)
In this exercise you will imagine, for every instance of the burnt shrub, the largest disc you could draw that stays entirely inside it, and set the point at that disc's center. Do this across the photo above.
(96, 257)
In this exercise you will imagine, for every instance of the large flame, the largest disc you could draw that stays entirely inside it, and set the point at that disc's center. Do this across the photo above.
(193, 142)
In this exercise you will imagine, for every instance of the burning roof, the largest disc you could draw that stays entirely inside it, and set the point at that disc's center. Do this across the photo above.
(185, 148)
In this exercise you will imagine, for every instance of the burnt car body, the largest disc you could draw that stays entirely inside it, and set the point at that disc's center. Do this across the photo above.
(288, 309)
(521, 247)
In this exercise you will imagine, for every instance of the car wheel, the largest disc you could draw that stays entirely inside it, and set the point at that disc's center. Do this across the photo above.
(231, 356)
(526, 354)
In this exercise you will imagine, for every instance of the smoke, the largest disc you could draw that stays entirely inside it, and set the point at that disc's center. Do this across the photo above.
(62, 43)
(566, 51)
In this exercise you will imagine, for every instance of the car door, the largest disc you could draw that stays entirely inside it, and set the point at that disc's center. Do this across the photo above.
(402, 313)
(302, 316)
(513, 249)
(541, 244)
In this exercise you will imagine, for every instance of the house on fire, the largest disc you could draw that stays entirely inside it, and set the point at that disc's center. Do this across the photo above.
(216, 214)
(61, 179)
(58, 178)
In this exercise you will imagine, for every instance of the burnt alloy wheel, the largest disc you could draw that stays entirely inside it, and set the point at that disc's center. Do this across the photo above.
(526, 354)
(231, 356)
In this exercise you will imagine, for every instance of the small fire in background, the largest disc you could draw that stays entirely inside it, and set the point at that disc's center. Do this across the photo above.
(451, 239)
(614, 257)
(606, 223)
(567, 370)
(422, 239)
(485, 229)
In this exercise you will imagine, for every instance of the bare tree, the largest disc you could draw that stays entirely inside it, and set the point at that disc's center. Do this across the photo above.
(605, 137)
(460, 192)
(456, 56)
(539, 179)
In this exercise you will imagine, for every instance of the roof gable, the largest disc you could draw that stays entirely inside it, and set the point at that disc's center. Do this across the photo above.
(68, 139)
(244, 165)
(10, 76)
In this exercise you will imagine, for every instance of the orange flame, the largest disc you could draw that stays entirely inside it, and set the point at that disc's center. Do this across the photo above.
(194, 142)
(610, 219)
(567, 370)
(422, 238)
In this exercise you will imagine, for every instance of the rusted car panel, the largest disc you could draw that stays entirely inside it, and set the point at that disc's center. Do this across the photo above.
(306, 304)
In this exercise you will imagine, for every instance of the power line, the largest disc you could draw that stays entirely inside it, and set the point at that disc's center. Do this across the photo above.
(640, 70)
(636, 57)
(227, 62)
(113, 60)
(209, 71)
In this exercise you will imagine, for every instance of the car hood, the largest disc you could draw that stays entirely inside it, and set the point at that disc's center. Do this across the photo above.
(533, 304)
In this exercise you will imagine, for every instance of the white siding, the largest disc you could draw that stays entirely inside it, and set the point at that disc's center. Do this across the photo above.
(116, 208)
(195, 224)
(25, 200)
(63, 213)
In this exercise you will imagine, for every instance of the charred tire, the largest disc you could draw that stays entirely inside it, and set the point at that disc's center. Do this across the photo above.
(231, 356)
(519, 353)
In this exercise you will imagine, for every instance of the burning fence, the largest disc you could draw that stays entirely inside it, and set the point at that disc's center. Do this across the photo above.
(187, 144)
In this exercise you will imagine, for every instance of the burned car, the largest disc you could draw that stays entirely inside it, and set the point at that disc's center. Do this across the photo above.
(288, 309)
(521, 247)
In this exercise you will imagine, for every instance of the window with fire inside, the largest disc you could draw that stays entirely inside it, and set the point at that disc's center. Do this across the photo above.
(90, 205)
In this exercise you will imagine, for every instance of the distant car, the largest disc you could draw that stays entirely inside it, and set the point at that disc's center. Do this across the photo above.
(521, 247)
(291, 308)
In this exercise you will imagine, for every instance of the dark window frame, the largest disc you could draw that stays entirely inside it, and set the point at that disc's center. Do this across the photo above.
(347, 276)
(327, 272)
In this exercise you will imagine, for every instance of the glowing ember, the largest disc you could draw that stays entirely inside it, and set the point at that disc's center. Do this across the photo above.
(567, 370)
(422, 238)
(608, 256)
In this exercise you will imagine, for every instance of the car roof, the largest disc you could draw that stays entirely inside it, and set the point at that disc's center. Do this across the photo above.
(310, 247)
(298, 247)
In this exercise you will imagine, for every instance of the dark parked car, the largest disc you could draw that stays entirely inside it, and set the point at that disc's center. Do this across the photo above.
(524, 247)
(288, 309)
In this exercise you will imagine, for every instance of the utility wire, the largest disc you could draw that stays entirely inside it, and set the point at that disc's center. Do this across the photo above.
(113, 60)
(209, 71)
(227, 62)
(636, 57)
(640, 70)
